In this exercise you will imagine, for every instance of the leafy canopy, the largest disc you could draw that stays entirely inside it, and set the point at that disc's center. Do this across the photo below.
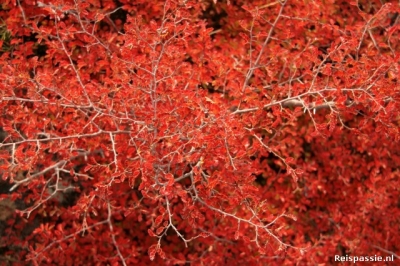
(180, 131)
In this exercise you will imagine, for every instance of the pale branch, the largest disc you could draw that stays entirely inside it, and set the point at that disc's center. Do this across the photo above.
(114, 151)
(171, 225)
(255, 225)
(36, 254)
(312, 106)
(53, 190)
(98, 133)
(387, 251)
(183, 176)
(227, 151)
(109, 221)
(296, 101)
(219, 239)
(58, 167)
(54, 166)
(254, 65)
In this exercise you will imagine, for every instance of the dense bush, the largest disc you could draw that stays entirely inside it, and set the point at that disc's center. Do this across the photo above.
(210, 133)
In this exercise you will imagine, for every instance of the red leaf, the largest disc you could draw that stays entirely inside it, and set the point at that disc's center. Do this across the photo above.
(158, 220)
(159, 230)
(151, 233)
(152, 251)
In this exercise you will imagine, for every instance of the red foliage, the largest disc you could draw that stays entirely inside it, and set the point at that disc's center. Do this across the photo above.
(210, 132)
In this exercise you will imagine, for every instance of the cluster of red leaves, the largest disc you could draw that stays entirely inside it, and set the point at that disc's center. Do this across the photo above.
(180, 131)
